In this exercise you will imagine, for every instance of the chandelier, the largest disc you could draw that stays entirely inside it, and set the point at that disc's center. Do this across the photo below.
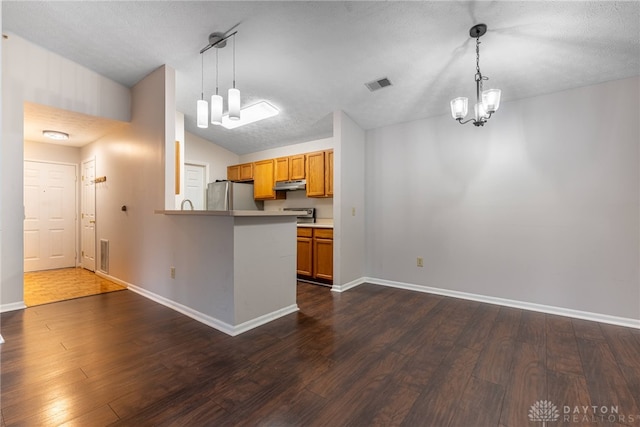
(487, 101)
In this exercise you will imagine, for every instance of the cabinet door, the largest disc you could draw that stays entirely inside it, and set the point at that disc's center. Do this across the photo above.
(263, 180)
(296, 167)
(323, 258)
(305, 256)
(315, 174)
(328, 173)
(246, 172)
(233, 173)
(282, 169)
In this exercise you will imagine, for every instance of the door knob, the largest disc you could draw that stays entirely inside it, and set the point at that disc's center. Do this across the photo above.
(92, 222)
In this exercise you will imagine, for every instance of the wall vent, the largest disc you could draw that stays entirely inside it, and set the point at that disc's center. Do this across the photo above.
(378, 84)
(104, 256)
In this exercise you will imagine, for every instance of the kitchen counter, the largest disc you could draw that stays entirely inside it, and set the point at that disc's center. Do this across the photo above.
(225, 213)
(316, 225)
(232, 270)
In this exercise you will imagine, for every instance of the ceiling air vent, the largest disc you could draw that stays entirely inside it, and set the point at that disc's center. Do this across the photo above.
(378, 84)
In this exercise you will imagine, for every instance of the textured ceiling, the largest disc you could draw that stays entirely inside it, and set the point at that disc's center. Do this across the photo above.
(311, 58)
(82, 128)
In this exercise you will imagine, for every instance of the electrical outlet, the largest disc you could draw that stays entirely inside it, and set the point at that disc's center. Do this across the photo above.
(420, 262)
(172, 272)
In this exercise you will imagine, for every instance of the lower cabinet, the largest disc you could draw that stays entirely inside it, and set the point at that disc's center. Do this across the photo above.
(315, 253)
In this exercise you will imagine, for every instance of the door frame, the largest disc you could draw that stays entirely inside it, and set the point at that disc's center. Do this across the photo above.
(76, 208)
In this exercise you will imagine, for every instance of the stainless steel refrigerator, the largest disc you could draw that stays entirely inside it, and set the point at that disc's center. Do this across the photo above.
(231, 196)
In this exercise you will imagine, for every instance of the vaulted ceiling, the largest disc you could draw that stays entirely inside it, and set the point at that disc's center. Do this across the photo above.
(312, 58)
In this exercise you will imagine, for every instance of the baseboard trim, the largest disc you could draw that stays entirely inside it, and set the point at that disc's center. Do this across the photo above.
(349, 285)
(112, 279)
(266, 318)
(548, 309)
(12, 306)
(204, 318)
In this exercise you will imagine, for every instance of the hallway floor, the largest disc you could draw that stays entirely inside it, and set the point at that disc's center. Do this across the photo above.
(43, 287)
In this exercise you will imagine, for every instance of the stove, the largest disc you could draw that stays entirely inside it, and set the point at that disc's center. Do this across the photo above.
(305, 215)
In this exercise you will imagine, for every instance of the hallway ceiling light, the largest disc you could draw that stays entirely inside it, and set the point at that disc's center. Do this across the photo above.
(57, 135)
(488, 101)
(256, 112)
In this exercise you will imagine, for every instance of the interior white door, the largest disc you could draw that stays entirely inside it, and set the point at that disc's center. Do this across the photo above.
(88, 215)
(49, 216)
(195, 185)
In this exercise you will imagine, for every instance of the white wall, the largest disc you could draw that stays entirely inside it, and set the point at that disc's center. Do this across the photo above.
(51, 152)
(202, 151)
(30, 73)
(349, 200)
(540, 205)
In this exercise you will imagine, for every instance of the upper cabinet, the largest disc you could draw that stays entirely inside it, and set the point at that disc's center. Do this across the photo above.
(296, 167)
(316, 168)
(243, 172)
(264, 180)
(320, 174)
(290, 168)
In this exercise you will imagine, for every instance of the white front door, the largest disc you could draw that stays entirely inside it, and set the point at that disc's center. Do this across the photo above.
(195, 185)
(49, 216)
(88, 215)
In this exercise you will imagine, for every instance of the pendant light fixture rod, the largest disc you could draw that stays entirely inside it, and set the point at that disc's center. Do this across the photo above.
(210, 45)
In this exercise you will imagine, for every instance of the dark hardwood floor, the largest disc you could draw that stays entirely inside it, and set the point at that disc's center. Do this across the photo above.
(369, 356)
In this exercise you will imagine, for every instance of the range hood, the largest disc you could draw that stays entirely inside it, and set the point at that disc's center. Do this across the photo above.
(299, 184)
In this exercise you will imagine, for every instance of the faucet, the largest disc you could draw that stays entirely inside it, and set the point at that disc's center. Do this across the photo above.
(185, 201)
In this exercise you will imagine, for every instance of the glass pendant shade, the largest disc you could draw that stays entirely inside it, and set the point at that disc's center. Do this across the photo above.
(202, 113)
(459, 107)
(234, 104)
(216, 109)
(491, 100)
(481, 113)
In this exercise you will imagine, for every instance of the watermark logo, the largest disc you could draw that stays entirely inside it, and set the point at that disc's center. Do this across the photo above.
(544, 411)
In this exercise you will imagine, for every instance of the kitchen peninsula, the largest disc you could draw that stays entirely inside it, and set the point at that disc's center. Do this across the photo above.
(244, 271)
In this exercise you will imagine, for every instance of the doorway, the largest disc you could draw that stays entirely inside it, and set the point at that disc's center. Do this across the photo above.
(88, 215)
(195, 185)
(50, 215)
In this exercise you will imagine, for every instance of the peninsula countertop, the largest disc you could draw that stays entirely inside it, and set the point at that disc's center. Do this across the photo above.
(254, 213)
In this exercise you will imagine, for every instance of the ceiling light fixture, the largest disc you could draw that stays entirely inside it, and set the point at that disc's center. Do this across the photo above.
(256, 112)
(487, 101)
(219, 40)
(57, 135)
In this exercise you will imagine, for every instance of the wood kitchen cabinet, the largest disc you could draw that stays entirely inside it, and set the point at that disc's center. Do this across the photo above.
(290, 168)
(243, 172)
(305, 252)
(282, 169)
(296, 167)
(319, 171)
(315, 253)
(264, 180)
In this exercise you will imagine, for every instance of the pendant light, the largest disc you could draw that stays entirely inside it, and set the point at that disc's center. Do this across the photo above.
(487, 101)
(216, 101)
(234, 94)
(202, 107)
